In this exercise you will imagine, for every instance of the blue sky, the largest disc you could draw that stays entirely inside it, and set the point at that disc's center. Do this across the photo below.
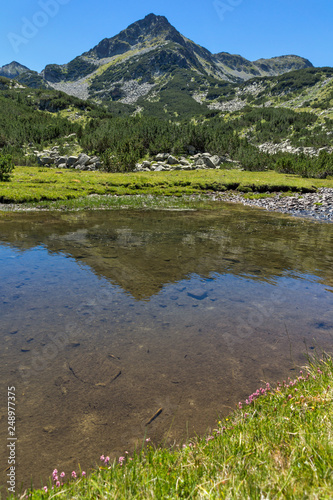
(39, 32)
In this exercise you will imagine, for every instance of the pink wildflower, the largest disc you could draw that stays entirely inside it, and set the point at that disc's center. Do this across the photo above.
(120, 460)
(84, 473)
(107, 460)
(240, 406)
(62, 474)
(45, 489)
(102, 458)
(58, 484)
(147, 440)
(74, 476)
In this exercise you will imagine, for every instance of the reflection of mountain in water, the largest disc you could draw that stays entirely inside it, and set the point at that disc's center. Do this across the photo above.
(143, 251)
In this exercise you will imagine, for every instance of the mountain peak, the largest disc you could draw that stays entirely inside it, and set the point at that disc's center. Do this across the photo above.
(138, 34)
(13, 69)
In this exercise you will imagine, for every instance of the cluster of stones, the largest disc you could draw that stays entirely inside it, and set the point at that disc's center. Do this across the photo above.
(166, 162)
(285, 147)
(52, 158)
(317, 205)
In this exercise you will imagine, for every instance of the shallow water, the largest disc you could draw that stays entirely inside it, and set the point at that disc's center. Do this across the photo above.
(107, 317)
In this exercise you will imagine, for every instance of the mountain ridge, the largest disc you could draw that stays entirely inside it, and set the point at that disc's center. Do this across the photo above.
(143, 57)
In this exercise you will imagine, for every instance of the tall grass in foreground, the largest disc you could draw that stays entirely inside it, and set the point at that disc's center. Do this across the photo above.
(277, 444)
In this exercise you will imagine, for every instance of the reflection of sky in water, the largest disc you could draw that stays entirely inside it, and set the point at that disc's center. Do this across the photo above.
(106, 318)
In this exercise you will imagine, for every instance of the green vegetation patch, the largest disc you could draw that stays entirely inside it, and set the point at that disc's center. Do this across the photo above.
(35, 184)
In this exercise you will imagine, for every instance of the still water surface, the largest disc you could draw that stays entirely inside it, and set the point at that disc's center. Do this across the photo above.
(106, 317)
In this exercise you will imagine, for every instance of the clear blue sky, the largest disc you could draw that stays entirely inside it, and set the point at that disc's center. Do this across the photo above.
(39, 32)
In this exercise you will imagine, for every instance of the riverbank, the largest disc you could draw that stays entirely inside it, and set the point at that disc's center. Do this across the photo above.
(276, 444)
(315, 206)
(34, 188)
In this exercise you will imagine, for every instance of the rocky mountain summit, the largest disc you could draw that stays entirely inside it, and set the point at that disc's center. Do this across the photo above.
(141, 61)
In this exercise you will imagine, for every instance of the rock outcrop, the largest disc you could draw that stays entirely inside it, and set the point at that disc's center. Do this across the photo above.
(166, 162)
(52, 158)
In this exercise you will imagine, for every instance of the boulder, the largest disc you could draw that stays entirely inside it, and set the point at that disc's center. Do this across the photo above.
(216, 160)
(60, 159)
(62, 165)
(71, 160)
(46, 160)
(92, 160)
(199, 161)
(82, 160)
(146, 164)
(208, 162)
(161, 156)
(172, 160)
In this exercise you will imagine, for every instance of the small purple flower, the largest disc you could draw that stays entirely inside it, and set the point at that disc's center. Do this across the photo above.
(107, 460)
(45, 489)
(240, 406)
(102, 458)
(120, 460)
(209, 438)
(84, 473)
(289, 396)
(58, 484)
(147, 440)
(55, 478)
(246, 415)
(74, 476)
(62, 475)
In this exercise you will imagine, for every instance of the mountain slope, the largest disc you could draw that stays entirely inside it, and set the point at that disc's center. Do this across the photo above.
(22, 74)
(141, 58)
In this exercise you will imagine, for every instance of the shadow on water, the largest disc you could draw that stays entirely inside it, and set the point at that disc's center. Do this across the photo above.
(107, 317)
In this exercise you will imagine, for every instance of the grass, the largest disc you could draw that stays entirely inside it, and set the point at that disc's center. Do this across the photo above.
(278, 444)
(35, 184)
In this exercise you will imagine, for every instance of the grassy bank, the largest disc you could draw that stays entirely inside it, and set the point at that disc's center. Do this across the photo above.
(277, 444)
(42, 185)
